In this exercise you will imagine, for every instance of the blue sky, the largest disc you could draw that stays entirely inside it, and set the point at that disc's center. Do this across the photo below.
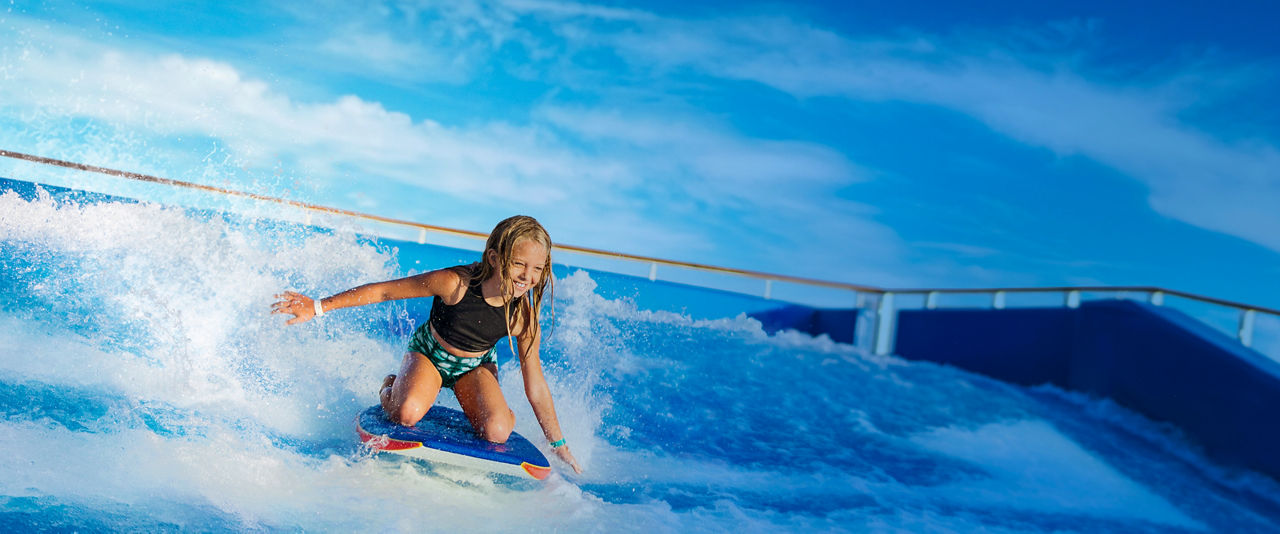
(899, 144)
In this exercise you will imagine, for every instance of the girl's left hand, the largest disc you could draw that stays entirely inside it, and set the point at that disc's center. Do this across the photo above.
(564, 454)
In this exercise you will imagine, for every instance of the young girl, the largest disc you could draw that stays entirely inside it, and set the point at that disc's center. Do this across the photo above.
(474, 307)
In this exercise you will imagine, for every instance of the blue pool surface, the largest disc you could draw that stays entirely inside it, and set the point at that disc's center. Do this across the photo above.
(144, 387)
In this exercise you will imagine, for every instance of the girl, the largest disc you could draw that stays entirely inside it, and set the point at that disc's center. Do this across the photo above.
(474, 307)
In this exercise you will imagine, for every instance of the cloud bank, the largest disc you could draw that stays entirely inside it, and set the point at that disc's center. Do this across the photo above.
(612, 146)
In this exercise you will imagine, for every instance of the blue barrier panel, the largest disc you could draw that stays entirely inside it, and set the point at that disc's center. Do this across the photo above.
(1153, 360)
(1170, 367)
(1025, 346)
(840, 325)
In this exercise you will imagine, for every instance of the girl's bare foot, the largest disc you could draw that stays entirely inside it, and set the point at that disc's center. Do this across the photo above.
(386, 383)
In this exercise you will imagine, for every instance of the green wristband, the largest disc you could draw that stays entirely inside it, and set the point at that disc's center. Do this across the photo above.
(557, 443)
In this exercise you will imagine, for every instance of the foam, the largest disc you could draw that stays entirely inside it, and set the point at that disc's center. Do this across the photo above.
(189, 297)
(245, 476)
(264, 487)
(1031, 466)
(1167, 438)
(578, 290)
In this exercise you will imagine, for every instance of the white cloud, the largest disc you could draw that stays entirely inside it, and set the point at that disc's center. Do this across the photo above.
(644, 171)
(379, 53)
(577, 9)
(711, 155)
(777, 201)
(175, 95)
(1193, 176)
(658, 184)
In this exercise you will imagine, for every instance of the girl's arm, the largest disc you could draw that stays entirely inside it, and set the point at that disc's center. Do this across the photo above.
(443, 282)
(535, 388)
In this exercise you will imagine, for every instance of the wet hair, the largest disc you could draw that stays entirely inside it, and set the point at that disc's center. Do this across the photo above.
(502, 241)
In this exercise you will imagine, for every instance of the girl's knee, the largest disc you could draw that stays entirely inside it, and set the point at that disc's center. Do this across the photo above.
(408, 413)
(498, 427)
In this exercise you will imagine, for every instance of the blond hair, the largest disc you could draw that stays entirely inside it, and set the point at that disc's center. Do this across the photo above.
(502, 241)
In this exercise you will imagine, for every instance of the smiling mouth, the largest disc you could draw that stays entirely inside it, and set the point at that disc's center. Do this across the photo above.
(521, 287)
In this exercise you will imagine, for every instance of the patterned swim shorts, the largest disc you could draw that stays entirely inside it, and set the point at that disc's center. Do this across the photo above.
(451, 367)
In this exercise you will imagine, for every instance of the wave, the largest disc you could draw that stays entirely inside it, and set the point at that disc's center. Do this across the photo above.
(144, 385)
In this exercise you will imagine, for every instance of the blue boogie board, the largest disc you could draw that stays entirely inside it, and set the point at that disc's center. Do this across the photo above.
(445, 435)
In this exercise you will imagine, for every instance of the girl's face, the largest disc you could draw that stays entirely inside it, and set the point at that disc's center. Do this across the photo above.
(528, 260)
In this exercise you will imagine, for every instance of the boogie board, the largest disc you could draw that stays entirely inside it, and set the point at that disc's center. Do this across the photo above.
(445, 435)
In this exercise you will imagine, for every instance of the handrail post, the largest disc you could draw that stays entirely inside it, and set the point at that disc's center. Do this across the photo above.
(422, 236)
(1157, 298)
(997, 300)
(653, 271)
(1246, 328)
(884, 324)
(859, 337)
(768, 289)
(931, 300)
(1073, 299)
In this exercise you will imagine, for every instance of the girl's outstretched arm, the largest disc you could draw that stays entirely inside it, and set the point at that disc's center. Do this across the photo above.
(443, 282)
(535, 388)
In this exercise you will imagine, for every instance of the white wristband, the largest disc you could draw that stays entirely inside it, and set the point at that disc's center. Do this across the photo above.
(319, 309)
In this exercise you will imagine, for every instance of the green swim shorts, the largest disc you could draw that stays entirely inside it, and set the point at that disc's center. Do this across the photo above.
(451, 367)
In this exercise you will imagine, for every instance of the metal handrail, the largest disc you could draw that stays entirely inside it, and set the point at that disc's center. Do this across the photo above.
(1246, 309)
(1082, 289)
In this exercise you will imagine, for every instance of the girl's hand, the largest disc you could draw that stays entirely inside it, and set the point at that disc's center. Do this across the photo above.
(564, 454)
(300, 306)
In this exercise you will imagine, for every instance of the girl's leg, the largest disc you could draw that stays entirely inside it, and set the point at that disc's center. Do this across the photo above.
(482, 401)
(412, 392)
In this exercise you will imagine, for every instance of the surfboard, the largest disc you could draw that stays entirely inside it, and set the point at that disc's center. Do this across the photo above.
(445, 435)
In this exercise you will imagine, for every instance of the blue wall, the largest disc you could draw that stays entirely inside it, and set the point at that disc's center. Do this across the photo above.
(1153, 360)
(840, 325)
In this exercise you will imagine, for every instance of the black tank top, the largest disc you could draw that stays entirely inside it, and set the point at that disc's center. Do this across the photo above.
(472, 324)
